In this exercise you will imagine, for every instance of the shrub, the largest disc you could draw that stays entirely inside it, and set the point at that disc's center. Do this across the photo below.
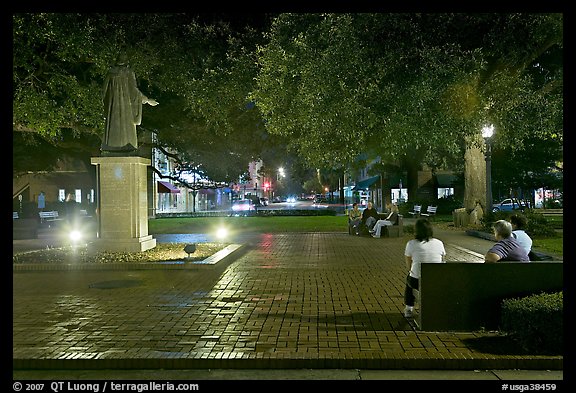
(445, 205)
(448, 204)
(404, 208)
(537, 226)
(296, 212)
(408, 229)
(535, 322)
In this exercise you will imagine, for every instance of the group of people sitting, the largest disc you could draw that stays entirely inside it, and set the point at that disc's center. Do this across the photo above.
(369, 221)
(512, 244)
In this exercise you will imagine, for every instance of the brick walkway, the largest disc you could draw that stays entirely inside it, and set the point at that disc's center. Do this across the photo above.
(314, 300)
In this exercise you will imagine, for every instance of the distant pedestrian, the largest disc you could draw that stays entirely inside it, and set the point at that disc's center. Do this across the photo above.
(507, 248)
(424, 248)
(41, 201)
(71, 206)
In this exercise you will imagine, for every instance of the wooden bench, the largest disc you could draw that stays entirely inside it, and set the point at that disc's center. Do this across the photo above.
(430, 211)
(464, 296)
(416, 211)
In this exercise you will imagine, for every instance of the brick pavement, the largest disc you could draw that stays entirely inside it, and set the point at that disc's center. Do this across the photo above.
(314, 300)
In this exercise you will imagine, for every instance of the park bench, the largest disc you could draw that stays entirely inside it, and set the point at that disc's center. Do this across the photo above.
(48, 216)
(15, 215)
(416, 211)
(464, 296)
(430, 211)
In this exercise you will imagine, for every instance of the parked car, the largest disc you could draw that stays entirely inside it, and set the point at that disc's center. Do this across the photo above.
(243, 206)
(510, 204)
(319, 198)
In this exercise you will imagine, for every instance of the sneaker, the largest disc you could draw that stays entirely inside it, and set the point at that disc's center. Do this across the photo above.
(408, 311)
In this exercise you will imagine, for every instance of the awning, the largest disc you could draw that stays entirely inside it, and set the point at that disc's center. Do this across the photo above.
(366, 183)
(165, 187)
(394, 180)
(445, 180)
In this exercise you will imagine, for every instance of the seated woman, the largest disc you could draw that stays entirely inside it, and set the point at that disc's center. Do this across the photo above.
(391, 219)
(354, 219)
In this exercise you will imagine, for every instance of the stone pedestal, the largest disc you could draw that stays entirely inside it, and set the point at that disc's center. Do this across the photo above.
(460, 218)
(123, 207)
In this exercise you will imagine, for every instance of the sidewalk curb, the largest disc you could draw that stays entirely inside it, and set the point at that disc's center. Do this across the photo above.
(370, 361)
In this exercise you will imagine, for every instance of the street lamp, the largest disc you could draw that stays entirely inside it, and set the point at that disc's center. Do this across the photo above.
(487, 133)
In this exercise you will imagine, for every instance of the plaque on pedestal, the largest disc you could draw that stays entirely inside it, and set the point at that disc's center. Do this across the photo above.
(123, 204)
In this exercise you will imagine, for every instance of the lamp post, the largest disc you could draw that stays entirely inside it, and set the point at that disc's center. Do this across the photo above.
(487, 133)
(279, 180)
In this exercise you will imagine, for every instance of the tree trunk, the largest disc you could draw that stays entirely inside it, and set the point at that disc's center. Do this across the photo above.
(413, 164)
(474, 173)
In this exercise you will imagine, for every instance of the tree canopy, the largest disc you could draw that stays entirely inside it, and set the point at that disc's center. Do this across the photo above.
(324, 88)
(409, 87)
(199, 67)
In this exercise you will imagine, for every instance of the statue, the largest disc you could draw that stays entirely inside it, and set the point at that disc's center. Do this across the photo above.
(122, 108)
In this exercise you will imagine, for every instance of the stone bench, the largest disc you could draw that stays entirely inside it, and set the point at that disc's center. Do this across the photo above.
(463, 296)
(394, 230)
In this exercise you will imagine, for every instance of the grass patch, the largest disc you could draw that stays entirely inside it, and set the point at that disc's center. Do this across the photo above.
(272, 224)
(549, 245)
(555, 221)
(553, 245)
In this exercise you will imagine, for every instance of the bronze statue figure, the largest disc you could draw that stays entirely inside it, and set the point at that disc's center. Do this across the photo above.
(123, 108)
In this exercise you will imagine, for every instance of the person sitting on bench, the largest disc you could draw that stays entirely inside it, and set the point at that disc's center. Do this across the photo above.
(424, 248)
(354, 219)
(391, 219)
(369, 216)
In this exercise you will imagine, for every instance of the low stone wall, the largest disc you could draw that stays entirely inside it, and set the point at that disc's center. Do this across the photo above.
(460, 296)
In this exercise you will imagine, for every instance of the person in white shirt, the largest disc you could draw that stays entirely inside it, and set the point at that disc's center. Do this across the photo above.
(519, 222)
(424, 248)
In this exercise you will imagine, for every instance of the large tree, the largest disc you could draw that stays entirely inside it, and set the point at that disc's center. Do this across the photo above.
(410, 88)
(199, 67)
